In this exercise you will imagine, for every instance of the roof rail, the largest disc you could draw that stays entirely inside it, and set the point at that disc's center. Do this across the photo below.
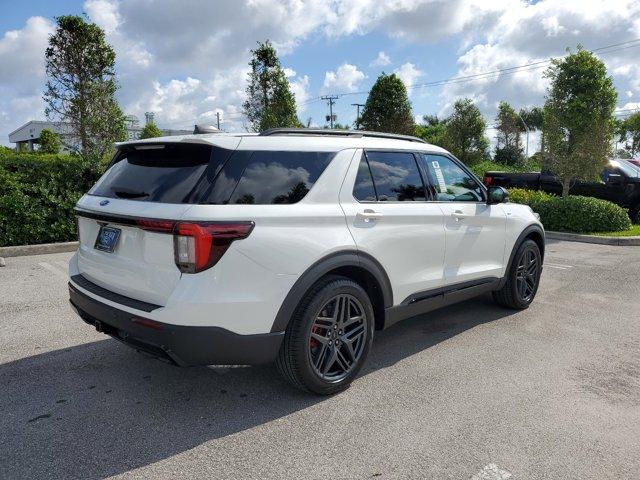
(337, 133)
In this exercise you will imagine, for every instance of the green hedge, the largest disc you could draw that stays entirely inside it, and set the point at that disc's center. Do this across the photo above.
(37, 196)
(574, 214)
(480, 168)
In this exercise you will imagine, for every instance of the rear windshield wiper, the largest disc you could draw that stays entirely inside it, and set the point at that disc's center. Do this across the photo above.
(126, 193)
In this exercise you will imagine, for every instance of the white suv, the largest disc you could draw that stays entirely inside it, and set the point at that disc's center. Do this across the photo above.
(291, 245)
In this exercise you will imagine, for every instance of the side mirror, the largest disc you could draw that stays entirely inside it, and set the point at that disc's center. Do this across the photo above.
(614, 179)
(497, 195)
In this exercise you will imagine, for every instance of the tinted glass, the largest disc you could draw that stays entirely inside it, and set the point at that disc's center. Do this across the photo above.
(396, 176)
(165, 173)
(627, 168)
(363, 188)
(451, 183)
(277, 177)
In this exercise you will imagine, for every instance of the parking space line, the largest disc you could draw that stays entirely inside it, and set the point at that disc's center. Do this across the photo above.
(58, 271)
(559, 266)
(491, 472)
(63, 265)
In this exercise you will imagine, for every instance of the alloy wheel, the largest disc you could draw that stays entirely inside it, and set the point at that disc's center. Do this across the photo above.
(527, 275)
(337, 338)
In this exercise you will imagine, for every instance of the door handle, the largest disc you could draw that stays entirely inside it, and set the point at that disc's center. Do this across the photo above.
(459, 215)
(369, 215)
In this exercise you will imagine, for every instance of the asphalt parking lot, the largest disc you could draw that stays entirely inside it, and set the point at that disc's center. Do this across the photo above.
(470, 391)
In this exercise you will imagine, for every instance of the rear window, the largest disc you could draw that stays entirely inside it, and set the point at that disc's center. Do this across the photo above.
(187, 173)
(155, 173)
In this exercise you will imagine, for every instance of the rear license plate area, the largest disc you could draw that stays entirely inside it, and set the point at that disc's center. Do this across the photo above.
(107, 239)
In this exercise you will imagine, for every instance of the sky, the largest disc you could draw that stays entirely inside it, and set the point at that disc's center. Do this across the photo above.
(186, 60)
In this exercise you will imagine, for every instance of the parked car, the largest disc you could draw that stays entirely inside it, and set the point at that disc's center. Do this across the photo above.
(619, 183)
(291, 246)
(634, 161)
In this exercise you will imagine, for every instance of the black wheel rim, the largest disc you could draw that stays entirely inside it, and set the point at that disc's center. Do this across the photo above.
(527, 275)
(337, 337)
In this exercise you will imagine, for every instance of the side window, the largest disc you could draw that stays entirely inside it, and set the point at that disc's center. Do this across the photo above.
(276, 177)
(363, 189)
(396, 176)
(451, 183)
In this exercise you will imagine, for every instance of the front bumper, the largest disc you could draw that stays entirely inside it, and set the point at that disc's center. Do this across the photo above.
(180, 345)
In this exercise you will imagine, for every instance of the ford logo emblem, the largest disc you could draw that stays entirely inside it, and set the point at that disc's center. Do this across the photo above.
(104, 202)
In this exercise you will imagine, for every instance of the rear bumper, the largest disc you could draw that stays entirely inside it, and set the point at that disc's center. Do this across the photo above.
(180, 345)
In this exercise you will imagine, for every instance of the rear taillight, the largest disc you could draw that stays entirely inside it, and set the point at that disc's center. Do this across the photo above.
(159, 226)
(200, 245)
(487, 180)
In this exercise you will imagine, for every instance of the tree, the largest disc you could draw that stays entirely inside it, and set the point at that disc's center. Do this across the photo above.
(630, 133)
(509, 126)
(269, 103)
(464, 132)
(49, 141)
(81, 86)
(534, 118)
(578, 117)
(432, 130)
(150, 130)
(387, 108)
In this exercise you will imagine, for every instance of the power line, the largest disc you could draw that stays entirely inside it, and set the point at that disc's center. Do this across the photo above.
(607, 49)
(507, 70)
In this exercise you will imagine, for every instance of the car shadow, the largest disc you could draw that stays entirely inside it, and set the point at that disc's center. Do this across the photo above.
(101, 409)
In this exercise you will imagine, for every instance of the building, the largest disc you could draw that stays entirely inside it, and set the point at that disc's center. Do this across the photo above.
(26, 137)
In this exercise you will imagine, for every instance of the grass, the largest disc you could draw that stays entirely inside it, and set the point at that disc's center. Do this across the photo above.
(634, 231)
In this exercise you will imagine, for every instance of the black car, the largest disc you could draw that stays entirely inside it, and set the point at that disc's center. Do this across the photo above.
(619, 183)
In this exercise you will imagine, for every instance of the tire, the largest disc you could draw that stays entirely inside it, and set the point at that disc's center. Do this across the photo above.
(317, 344)
(522, 283)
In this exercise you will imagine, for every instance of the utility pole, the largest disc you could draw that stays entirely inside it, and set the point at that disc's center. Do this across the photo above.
(332, 99)
(218, 117)
(357, 105)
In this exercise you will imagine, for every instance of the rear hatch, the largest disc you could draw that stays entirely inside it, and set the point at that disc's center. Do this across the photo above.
(125, 222)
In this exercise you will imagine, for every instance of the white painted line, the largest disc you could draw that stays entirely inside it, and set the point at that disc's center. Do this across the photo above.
(55, 270)
(558, 265)
(64, 266)
(491, 472)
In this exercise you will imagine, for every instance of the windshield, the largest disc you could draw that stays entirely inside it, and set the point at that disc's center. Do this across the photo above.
(629, 169)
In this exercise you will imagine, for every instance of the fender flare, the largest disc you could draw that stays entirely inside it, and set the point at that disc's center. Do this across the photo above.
(348, 258)
(525, 233)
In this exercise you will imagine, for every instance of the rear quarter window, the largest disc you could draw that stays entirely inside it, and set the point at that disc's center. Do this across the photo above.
(275, 177)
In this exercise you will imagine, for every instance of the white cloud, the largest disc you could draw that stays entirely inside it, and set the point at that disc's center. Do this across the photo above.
(408, 73)
(188, 58)
(300, 89)
(22, 54)
(22, 74)
(346, 78)
(551, 26)
(530, 32)
(104, 13)
(381, 60)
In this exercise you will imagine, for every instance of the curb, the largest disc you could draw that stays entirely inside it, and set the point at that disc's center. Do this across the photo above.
(576, 237)
(23, 250)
